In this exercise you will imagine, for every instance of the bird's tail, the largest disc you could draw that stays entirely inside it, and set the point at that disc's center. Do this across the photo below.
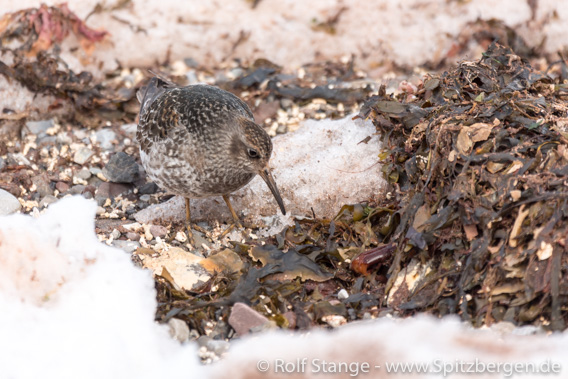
(150, 92)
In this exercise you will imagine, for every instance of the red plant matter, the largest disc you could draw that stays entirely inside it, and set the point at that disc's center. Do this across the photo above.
(44, 26)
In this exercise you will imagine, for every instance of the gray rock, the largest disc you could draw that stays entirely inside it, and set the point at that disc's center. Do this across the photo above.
(286, 103)
(77, 189)
(244, 319)
(121, 168)
(8, 203)
(82, 155)
(105, 138)
(129, 130)
(148, 188)
(178, 329)
(83, 174)
(145, 198)
(3, 164)
(190, 62)
(218, 347)
(39, 128)
(127, 246)
(42, 184)
(49, 199)
(158, 231)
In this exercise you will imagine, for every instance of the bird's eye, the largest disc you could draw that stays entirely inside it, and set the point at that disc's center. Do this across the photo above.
(253, 153)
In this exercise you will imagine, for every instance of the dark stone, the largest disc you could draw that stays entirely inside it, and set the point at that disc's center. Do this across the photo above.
(62, 187)
(111, 190)
(121, 168)
(148, 188)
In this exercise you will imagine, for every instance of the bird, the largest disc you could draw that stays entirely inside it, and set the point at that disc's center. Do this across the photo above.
(199, 140)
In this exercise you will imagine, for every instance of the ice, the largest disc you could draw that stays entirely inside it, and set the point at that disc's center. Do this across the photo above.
(321, 166)
(73, 307)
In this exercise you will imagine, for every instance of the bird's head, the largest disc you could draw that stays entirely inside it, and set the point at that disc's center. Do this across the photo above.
(253, 148)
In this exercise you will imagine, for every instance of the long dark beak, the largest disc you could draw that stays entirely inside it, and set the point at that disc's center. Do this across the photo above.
(267, 176)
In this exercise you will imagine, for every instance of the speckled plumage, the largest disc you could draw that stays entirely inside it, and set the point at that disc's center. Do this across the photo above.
(199, 141)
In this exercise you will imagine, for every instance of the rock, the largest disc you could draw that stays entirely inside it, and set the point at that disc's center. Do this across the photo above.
(49, 199)
(127, 246)
(158, 231)
(183, 267)
(42, 184)
(77, 189)
(3, 164)
(82, 155)
(342, 294)
(286, 103)
(149, 188)
(115, 234)
(133, 236)
(39, 128)
(62, 187)
(105, 137)
(178, 329)
(291, 318)
(8, 203)
(83, 174)
(111, 190)
(218, 347)
(145, 198)
(121, 168)
(244, 319)
(129, 130)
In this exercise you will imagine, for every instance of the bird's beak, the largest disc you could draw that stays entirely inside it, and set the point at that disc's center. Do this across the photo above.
(267, 176)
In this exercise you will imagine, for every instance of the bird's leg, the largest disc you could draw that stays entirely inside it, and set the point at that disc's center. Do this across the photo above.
(236, 220)
(188, 222)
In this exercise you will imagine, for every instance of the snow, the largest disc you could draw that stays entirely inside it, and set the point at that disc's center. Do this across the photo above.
(74, 307)
(323, 165)
(410, 33)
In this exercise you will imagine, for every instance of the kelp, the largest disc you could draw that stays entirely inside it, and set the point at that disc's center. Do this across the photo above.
(478, 163)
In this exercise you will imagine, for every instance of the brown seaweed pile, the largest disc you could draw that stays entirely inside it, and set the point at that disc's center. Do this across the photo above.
(478, 162)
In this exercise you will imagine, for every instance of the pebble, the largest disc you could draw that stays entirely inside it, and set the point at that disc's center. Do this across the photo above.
(100, 211)
(121, 168)
(39, 128)
(8, 203)
(42, 184)
(149, 188)
(286, 103)
(244, 319)
(108, 190)
(342, 294)
(129, 130)
(115, 234)
(62, 187)
(132, 236)
(2, 163)
(158, 231)
(179, 330)
(49, 199)
(145, 198)
(82, 155)
(127, 246)
(77, 189)
(83, 174)
(105, 137)
(218, 347)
